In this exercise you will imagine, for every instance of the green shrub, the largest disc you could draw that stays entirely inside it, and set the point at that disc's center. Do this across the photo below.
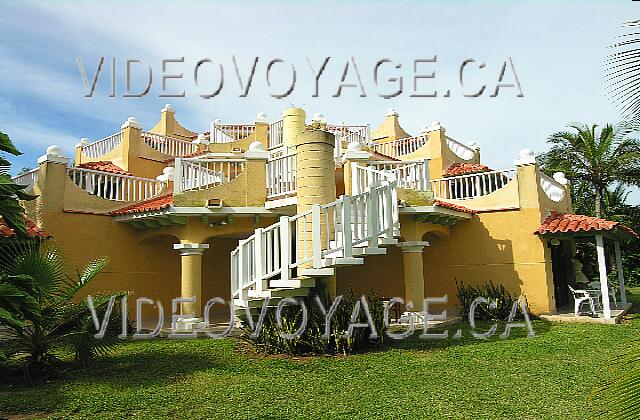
(311, 341)
(498, 308)
(39, 310)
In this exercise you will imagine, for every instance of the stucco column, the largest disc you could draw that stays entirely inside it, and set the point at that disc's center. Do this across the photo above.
(412, 265)
(315, 184)
(167, 121)
(79, 147)
(293, 123)
(262, 129)
(130, 143)
(353, 156)
(256, 169)
(191, 276)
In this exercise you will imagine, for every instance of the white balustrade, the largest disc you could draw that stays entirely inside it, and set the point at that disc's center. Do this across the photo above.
(237, 131)
(350, 221)
(169, 145)
(461, 150)
(281, 176)
(201, 173)
(228, 133)
(115, 187)
(102, 147)
(552, 188)
(401, 147)
(409, 174)
(28, 178)
(276, 134)
(465, 187)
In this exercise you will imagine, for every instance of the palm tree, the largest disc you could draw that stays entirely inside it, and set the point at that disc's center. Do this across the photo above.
(37, 299)
(623, 73)
(594, 158)
(10, 210)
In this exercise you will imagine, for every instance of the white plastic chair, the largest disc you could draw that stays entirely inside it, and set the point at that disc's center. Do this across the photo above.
(595, 285)
(582, 296)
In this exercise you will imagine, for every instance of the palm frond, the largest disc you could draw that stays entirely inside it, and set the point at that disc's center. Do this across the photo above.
(619, 397)
(622, 72)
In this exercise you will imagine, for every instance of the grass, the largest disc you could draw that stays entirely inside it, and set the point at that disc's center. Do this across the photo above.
(547, 376)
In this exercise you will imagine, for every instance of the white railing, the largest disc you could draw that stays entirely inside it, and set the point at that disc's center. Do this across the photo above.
(228, 133)
(409, 174)
(169, 145)
(281, 151)
(237, 131)
(352, 133)
(401, 147)
(217, 135)
(276, 134)
(28, 178)
(201, 173)
(103, 146)
(4, 169)
(325, 231)
(281, 176)
(466, 187)
(552, 188)
(461, 150)
(115, 187)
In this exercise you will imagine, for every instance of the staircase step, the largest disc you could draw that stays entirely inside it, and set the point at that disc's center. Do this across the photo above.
(280, 292)
(292, 283)
(387, 242)
(254, 303)
(316, 272)
(339, 261)
(369, 251)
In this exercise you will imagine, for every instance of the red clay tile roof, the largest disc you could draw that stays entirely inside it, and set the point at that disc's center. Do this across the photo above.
(566, 222)
(33, 230)
(452, 206)
(104, 166)
(465, 168)
(154, 204)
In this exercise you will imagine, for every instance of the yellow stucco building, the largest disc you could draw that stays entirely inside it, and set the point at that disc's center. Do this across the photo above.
(270, 209)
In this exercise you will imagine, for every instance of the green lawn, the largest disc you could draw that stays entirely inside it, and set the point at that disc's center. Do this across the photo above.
(548, 376)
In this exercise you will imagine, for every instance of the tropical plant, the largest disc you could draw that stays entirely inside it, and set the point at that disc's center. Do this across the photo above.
(595, 159)
(10, 192)
(311, 341)
(37, 301)
(498, 308)
(619, 397)
(623, 73)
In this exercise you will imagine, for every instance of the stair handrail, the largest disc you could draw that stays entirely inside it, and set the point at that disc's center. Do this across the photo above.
(276, 134)
(218, 135)
(281, 176)
(459, 149)
(348, 222)
(103, 146)
(401, 147)
(409, 174)
(170, 146)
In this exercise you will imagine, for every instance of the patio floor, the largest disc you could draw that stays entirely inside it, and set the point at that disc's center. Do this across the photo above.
(566, 314)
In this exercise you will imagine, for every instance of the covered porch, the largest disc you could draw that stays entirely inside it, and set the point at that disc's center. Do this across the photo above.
(595, 301)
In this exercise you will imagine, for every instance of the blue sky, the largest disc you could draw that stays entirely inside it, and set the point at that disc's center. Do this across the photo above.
(557, 49)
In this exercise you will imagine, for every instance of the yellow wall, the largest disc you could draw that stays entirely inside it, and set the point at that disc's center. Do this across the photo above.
(379, 273)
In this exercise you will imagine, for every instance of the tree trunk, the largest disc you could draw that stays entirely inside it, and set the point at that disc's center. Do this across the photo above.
(598, 209)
